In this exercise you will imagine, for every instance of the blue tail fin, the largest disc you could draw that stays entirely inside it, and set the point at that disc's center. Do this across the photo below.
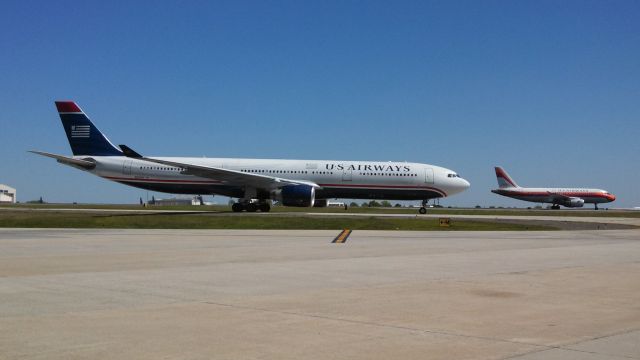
(84, 137)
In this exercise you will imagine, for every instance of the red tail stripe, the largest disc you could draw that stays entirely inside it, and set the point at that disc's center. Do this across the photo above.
(502, 174)
(67, 106)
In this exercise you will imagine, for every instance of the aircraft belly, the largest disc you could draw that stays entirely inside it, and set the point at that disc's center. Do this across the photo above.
(325, 193)
(540, 199)
(191, 189)
(364, 193)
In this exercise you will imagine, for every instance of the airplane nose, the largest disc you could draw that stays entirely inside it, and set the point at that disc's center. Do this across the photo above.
(461, 185)
(611, 197)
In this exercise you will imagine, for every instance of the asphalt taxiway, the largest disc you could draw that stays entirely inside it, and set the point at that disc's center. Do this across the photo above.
(225, 294)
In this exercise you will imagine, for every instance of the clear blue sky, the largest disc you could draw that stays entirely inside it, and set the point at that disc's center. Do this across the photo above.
(548, 89)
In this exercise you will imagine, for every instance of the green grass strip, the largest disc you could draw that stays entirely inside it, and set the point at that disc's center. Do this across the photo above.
(359, 210)
(53, 219)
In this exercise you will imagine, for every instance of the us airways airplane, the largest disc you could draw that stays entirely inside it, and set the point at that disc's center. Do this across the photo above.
(569, 197)
(302, 183)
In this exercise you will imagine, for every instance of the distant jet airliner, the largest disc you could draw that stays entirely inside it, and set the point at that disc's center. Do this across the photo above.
(569, 197)
(302, 183)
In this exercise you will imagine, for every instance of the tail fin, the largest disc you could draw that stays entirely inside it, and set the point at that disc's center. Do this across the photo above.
(83, 136)
(504, 180)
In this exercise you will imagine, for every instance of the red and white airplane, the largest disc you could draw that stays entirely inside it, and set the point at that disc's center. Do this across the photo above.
(569, 197)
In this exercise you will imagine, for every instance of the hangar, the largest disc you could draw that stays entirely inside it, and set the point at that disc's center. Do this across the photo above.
(7, 194)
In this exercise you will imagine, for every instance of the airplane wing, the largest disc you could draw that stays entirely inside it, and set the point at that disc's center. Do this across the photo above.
(560, 197)
(83, 164)
(568, 201)
(225, 175)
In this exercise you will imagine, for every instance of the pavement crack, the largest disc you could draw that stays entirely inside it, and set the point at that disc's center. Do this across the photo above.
(565, 347)
(376, 324)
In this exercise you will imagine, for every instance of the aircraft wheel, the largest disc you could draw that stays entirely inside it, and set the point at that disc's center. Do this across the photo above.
(265, 207)
(423, 210)
(251, 207)
(236, 207)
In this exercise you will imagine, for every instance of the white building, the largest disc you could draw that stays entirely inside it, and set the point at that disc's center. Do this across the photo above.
(335, 204)
(179, 201)
(7, 194)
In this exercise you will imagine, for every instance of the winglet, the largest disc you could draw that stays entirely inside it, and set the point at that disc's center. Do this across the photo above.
(128, 152)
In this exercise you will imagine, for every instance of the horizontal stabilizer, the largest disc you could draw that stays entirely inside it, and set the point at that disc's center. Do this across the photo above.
(84, 164)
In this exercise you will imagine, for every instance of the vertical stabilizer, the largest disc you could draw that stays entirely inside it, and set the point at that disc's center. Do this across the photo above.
(84, 137)
(504, 180)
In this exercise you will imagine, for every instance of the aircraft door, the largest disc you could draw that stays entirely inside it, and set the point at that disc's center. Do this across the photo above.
(428, 175)
(126, 167)
(347, 175)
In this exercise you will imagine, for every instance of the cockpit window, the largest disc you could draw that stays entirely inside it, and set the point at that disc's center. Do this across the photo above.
(453, 175)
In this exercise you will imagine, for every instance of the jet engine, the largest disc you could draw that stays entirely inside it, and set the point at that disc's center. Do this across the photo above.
(574, 202)
(297, 195)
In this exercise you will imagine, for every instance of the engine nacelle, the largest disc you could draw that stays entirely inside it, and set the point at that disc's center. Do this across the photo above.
(297, 195)
(321, 203)
(574, 202)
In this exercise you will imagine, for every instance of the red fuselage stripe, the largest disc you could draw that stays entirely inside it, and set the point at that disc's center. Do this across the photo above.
(161, 180)
(385, 187)
(570, 194)
(401, 187)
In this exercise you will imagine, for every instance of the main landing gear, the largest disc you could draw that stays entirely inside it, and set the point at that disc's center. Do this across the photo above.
(423, 209)
(555, 207)
(596, 206)
(251, 206)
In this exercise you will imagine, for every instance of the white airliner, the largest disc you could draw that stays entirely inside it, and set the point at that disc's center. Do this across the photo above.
(569, 197)
(302, 183)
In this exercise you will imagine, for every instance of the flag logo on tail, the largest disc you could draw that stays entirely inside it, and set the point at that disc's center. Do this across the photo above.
(80, 131)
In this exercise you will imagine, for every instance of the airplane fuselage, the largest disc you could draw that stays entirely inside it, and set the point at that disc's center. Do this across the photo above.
(549, 195)
(337, 179)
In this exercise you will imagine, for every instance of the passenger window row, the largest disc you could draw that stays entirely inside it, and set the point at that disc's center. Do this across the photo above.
(160, 168)
(387, 174)
(275, 171)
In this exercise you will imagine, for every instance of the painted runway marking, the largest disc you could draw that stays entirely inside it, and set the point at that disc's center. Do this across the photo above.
(342, 237)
